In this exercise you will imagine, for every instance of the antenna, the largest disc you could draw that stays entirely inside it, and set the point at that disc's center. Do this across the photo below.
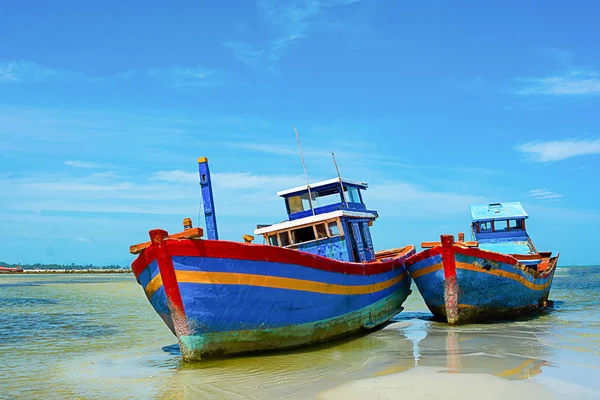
(305, 174)
(340, 179)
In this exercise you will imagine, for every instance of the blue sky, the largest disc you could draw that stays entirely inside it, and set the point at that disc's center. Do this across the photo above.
(105, 107)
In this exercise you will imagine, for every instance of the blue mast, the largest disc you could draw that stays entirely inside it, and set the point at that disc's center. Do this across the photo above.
(207, 198)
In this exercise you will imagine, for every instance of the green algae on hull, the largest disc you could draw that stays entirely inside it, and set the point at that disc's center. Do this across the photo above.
(217, 344)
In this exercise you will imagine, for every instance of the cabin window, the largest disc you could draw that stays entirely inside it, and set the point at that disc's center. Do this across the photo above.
(328, 196)
(515, 224)
(321, 231)
(299, 203)
(305, 234)
(485, 226)
(273, 240)
(353, 195)
(334, 229)
(500, 225)
(284, 239)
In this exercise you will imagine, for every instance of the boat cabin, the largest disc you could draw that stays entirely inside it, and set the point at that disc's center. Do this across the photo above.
(327, 218)
(500, 227)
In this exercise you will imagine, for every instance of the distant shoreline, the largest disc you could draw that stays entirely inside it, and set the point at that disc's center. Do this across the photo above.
(70, 271)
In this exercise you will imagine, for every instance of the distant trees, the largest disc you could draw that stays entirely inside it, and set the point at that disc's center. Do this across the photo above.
(59, 266)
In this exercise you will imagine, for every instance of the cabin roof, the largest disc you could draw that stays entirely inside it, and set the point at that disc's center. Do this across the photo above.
(493, 211)
(285, 193)
(312, 219)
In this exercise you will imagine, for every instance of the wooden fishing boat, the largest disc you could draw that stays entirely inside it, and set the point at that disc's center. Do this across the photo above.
(316, 278)
(9, 270)
(498, 275)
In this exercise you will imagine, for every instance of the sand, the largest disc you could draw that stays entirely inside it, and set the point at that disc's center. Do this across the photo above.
(435, 383)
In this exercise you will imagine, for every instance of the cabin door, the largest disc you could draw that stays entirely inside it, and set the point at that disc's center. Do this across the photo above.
(357, 240)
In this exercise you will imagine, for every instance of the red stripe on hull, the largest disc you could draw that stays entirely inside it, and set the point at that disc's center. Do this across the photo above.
(451, 287)
(423, 255)
(488, 255)
(169, 279)
(258, 252)
(142, 261)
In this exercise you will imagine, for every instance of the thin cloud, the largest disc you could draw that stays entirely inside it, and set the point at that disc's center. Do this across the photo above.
(82, 164)
(290, 23)
(189, 76)
(399, 198)
(268, 148)
(233, 180)
(559, 149)
(27, 71)
(544, 194)
(573, 83)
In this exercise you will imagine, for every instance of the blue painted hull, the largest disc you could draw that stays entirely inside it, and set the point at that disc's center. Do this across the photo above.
(239, 303)
(476, 285)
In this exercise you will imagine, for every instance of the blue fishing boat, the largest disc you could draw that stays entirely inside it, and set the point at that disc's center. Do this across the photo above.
(499, 275)
(316, 277)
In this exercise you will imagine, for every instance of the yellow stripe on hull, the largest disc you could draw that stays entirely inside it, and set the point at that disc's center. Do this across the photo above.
(504, 274)
(426, 270)
(276, 282)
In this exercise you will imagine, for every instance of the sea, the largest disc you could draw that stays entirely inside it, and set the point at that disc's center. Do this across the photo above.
(95, 336)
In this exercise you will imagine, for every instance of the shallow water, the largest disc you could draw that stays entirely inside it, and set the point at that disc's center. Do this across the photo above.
(90, 336)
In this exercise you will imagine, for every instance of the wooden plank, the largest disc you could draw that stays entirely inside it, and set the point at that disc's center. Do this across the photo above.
(428, 245)
(192, 233)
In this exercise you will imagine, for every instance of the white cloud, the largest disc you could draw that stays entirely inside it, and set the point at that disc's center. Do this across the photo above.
(289, 22)
(559, 149)
(24, 71)
(544, 194)
(233, 180)
(269, 148)
(398, 198)
(82, 240)
(189, 76)
(575, 82)
(82, 164)
(20, 71)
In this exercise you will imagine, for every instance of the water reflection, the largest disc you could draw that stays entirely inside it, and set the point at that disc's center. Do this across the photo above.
(511, 352)
(298, 373)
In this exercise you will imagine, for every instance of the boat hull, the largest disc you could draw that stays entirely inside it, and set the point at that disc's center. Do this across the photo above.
(467, 285)
(222, 298)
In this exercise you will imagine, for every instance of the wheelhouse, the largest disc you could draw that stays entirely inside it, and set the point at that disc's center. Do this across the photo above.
(500, 227)
(496, 220)
(327, 218)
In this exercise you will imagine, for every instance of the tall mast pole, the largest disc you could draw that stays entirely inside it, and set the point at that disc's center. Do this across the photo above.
(305, 174)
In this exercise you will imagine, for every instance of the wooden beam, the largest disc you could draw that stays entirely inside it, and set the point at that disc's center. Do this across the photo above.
(192, 233)
(428, 245)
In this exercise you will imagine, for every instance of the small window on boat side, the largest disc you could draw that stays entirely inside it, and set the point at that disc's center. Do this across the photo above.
(516, 224)
(334, 230)
(485, 226)
(500, 225)
(321, 231)
(302, 235)
(295, 204)
(273, 240)
(284, 239)
(353, 196)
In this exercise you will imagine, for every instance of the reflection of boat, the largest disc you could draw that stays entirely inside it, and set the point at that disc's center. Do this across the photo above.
(499, 275)
(301, 373)
(8, 270)
(317, 279)
(510, 354)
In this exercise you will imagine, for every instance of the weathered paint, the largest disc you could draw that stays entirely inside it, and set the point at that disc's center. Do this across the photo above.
(239, 297)
(463, 284)
(334, 248)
